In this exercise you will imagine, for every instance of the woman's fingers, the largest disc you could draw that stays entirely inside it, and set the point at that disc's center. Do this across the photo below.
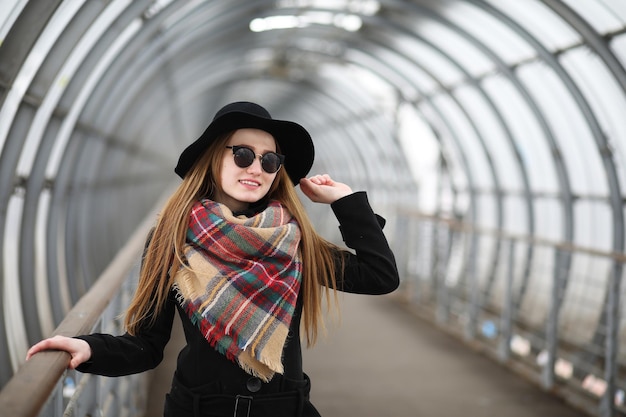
(79, 350)
(323, 189)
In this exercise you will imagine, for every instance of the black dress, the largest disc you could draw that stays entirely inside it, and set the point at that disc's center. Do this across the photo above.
(205, 382)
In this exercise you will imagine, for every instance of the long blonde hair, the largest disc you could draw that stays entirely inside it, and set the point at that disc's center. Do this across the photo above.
(163, 255)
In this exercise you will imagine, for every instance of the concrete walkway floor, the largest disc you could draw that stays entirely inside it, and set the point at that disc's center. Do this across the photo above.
(381, 361)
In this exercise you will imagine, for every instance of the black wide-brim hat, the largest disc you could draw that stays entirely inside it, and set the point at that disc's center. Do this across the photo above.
(293, 140)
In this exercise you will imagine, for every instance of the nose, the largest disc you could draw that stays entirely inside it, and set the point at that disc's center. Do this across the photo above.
(255, 167)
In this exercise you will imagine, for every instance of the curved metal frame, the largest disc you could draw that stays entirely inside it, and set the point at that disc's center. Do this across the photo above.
(135, 88)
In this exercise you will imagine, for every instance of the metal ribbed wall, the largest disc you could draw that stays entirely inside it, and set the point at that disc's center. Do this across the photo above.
(489, 132)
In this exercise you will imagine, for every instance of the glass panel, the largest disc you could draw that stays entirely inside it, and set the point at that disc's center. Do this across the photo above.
(382, 71)
(530, 139)
(516, 215)
(542, 23)
(593, 225)
(548, 218)
(533, 310)
(576, 144)
(605, 97)
(433, 62)
(451, 162)
(459, 48)
(603, 15)
(467, 141)
(617, 8)
(462, 206)
(424, 82)
(422, 152)
(484, 255)
(490, 31)
(394, 63)
(494, 136)
(584, 298)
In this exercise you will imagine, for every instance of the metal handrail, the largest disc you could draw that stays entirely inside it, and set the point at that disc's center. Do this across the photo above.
(467, 227)
(31, 386)
(590, 385)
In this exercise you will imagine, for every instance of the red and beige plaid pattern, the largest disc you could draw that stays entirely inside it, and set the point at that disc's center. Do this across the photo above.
(241, 283)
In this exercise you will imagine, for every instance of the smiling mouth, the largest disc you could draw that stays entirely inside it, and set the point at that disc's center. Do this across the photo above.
(250, 183)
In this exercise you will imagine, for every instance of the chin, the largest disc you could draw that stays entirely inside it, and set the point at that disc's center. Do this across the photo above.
(251, 199)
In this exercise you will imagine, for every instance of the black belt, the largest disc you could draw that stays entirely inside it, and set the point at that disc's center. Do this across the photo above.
(199, 403)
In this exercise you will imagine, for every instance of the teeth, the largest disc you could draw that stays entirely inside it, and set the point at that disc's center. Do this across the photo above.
(249, 183)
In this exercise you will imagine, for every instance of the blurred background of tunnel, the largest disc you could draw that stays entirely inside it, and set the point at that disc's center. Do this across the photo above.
(490, 134)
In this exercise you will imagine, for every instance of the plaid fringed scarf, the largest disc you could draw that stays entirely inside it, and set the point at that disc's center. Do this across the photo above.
(242, 282)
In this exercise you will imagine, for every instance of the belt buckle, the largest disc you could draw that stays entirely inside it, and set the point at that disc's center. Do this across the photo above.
(247, 400)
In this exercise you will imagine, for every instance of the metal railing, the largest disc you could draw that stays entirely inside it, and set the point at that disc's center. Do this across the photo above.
(548, 310)
(43, 386)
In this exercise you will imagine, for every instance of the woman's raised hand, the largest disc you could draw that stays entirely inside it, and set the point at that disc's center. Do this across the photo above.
(322, 189)
(79, 350)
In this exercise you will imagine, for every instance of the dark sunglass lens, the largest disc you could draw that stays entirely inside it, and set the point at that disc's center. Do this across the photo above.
(270, 162)
(244, 157)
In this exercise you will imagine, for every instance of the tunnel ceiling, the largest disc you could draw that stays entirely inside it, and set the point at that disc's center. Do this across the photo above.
(505, 113)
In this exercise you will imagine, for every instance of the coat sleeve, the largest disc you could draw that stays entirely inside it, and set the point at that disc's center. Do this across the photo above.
(372, 268)
(130, 354)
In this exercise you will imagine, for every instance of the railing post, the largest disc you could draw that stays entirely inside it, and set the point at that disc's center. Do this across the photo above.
(611, 342)
(475, 299)
(506, 319)
(444, 243)
(558, 288)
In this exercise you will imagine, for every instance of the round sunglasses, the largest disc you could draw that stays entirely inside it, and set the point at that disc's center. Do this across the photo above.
(244, 157)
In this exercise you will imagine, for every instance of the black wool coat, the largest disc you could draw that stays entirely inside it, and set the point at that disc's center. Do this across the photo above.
(369, 268)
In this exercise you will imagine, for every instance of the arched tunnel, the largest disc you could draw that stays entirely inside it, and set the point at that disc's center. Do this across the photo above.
(489, 133)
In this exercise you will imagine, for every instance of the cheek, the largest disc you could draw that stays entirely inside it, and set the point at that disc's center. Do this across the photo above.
(224, 163)
(226, 169)
(272, 184)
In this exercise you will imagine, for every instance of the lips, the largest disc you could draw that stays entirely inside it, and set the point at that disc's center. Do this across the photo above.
(250, 183)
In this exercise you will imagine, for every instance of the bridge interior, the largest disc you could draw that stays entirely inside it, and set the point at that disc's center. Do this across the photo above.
(489, 133)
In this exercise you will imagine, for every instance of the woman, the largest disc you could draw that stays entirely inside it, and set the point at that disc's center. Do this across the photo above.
(234, 252)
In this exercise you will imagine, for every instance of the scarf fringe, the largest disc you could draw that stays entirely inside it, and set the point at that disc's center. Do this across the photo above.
(257, 368)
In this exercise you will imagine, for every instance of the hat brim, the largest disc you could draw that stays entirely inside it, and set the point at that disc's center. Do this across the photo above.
(293, 141)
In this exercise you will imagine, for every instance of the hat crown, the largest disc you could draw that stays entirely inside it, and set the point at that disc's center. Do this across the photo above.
(243, 107)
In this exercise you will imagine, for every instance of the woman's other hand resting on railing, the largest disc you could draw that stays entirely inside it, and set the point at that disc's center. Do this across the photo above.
(79, 350)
